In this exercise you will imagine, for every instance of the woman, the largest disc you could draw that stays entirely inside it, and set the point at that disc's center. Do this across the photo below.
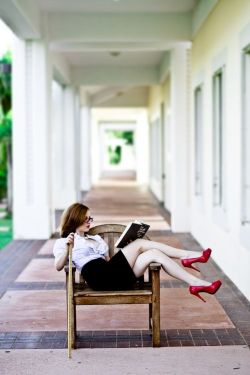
(90, 256)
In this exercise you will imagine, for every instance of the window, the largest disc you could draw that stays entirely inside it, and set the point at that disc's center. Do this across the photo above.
(198, 141)
(219, 156)
(155, 149)
(246, 137)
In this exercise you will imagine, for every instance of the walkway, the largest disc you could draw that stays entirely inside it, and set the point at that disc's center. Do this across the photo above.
(32, 304)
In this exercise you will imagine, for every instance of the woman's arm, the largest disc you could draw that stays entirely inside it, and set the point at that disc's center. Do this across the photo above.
(103, 247)
(60, 262)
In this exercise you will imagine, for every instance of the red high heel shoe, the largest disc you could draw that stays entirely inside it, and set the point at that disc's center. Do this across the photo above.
(211, 289)
(202, 259)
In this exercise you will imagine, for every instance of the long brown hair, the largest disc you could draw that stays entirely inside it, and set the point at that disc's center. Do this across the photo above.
(72, 218)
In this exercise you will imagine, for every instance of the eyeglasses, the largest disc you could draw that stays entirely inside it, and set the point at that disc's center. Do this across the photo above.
(89, 219)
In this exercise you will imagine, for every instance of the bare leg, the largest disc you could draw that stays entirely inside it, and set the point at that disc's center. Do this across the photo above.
(171, 251)
(135, 248)
(169, 266)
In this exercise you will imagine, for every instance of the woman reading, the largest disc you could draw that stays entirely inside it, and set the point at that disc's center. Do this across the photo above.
(90, 256)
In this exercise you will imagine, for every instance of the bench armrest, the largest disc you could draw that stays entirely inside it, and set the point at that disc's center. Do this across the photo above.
(154, 269)
(154, 266)
(66, 268)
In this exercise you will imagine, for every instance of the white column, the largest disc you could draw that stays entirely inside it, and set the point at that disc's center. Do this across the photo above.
(142, 148)
(85, 145)
(179, 140)
(77, 120)
(70, 167)
(63, 146)
(31, 141)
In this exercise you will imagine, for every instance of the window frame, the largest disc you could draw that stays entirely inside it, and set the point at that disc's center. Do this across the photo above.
(245, 137)
(218, 122)
(244, 47)
(198, 142)
(219, 144)
(245, 144)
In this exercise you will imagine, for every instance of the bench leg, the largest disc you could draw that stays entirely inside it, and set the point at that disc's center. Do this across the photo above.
(156, 309)
(156, 325)
(73, 318)
(150, 316)
(73, 326)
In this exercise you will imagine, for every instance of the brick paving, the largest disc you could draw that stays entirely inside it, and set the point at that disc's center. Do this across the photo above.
(17, 275)
(14, 258)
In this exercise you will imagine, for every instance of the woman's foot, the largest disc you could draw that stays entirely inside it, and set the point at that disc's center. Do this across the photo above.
(201, 259)
(211, 289)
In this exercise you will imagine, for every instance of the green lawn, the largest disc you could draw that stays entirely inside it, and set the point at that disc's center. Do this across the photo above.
(5, 229)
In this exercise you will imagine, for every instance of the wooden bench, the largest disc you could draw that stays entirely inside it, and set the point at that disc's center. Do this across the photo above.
(143, 292)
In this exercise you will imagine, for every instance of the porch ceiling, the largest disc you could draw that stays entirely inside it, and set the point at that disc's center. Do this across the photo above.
(117, 6)
(105, 43)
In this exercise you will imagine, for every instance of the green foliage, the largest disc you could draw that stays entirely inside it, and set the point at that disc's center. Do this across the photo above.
(114, 155)
(5, 119)
(3, 170)
(5, 139)
(126, 135)
(5, 229)
(6, 128)
(5, 82)
(7, 58)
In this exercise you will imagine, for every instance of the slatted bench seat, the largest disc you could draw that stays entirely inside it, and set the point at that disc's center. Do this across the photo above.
(142, 293)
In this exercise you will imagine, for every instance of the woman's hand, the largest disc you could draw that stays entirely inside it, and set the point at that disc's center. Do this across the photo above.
(64, 257)
(70, 239)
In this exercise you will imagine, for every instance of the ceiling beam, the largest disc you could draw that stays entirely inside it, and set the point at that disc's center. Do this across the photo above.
(106, 94)
(136, 97)
(61, 69)
(164, 66)
(200, 14)
(23, 17)
(105, 27)
(67, 46)
(114, 75)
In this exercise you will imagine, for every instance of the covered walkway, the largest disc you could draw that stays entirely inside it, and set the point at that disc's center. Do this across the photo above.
(160, 72)
(33, 309)
(164, 71)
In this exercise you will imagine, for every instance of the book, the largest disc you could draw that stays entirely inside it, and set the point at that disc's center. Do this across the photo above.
(133, 230)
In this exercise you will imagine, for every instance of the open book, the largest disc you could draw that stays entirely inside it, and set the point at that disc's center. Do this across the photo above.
(133, 230)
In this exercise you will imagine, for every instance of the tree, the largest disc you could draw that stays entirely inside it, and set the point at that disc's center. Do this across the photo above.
(5, 130)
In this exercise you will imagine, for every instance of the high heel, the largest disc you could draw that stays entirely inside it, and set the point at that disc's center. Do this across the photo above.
(211, 289)
(202, 259)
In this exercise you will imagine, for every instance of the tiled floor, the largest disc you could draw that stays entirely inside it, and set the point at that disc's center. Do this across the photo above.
(32, 304)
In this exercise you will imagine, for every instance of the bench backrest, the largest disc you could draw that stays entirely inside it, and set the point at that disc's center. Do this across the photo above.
(110, 233)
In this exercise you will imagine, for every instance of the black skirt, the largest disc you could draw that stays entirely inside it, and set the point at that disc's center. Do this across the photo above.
(115, 274)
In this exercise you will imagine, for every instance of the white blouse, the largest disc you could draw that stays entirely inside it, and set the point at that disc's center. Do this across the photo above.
(85, 249)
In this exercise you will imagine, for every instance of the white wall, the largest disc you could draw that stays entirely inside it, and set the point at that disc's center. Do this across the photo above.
(155, 166)
(180, 163)
(215, 45)
(155, 140)
(167, 149)
(142, 148)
